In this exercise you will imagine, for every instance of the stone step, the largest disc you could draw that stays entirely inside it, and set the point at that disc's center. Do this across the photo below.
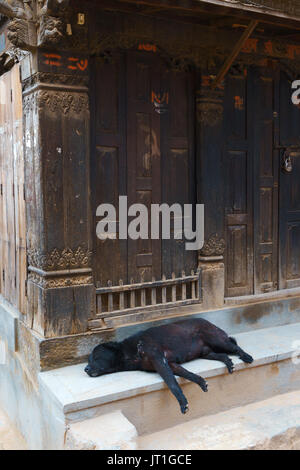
(272, 424)
(146, 402)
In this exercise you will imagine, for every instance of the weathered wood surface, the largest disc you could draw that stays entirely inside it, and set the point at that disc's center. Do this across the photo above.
(120, 300)
(12, 205)
(142, 153)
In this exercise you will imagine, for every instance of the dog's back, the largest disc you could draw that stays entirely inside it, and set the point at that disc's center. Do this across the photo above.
(179, 341)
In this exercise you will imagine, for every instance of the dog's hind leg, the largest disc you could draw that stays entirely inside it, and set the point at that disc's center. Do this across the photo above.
(161, 365)
(231, 347)
(185, 374)
(212, 356)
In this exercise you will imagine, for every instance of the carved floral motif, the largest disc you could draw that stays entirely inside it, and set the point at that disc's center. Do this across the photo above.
(210, 114)
(214, 246)
(59, 282)
(59, 260)
(51, 78)
(63, 101)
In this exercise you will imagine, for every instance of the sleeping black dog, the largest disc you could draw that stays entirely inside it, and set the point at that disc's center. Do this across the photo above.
(162, 349)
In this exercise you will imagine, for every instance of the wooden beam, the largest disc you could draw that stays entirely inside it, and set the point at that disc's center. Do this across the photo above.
(237, 49)
(220, 8)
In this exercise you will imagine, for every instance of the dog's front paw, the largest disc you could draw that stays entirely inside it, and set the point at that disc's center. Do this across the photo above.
(230, 366)
(184, 408)
(203, 384)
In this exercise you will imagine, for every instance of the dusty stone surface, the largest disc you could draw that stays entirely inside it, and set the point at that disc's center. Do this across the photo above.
(10, 438)
(272, 424)
(109, 432)
(213, 285)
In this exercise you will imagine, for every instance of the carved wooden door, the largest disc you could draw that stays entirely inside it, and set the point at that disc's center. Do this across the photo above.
(265, 122)
(160, 156)
(251, 182)
(289, 227)
(143, 147)
(143, 159)
(238, 172)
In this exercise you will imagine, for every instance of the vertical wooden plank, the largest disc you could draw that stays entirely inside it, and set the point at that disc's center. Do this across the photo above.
(164, 291)
(20, 223)
(122, 297)
(99, 304)
(178, 162)
(153, 293)
(193, 288)
(12, 206)
(143, 156)
(143, 298)
(132, 296)
(183, 288)
(266, 166)
(108, 161)
(110, 299)
(174, 296)
(238, 186)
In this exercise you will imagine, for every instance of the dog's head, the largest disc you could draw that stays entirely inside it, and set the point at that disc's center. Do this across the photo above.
(105, 359)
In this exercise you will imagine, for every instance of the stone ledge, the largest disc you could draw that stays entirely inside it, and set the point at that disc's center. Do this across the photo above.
(52, 353)
(74, 391)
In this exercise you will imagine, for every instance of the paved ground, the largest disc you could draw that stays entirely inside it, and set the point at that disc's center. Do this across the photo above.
(272, 424)
(10, 439)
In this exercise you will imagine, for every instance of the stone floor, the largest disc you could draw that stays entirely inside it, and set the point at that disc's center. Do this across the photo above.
(10, 439)
(272, 424)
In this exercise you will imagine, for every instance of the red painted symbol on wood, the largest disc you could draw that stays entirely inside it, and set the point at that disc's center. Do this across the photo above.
(147, 47)
(78, 64)
(160, 98)
(239, 103)
(53, 59)
(160, 101)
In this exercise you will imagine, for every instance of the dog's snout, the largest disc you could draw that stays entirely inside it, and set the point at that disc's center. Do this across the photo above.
(87, 369)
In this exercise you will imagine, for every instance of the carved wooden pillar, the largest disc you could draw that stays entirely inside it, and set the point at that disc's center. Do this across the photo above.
(50, 39)
(210, 191)
(56, 141)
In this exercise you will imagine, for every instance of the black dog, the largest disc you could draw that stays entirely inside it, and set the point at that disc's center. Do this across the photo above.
(163, 348)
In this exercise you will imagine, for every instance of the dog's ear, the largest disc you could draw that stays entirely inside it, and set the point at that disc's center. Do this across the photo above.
(112, 346)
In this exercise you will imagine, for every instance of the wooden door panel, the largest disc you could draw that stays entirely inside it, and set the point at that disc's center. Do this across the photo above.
(238, 189)
(237, 256)
(265, 181)
(178, 163)
(289, 247)
(108, 165)
(143, 159)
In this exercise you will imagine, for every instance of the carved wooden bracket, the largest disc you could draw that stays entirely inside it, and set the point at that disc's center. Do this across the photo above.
(34, 23)
(214, 246)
